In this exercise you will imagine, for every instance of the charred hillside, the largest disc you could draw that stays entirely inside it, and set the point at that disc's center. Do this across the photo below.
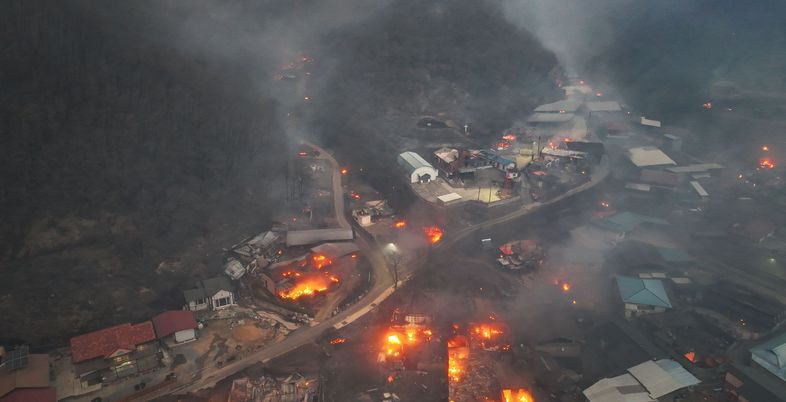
(99, 115)
(459, 60)
(119, 151)
(672, 56)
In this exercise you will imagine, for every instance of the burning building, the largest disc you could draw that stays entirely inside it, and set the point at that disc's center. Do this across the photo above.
(521, 254)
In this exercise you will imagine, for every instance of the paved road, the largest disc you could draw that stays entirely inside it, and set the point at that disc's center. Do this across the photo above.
(381, 288)
(598, 176)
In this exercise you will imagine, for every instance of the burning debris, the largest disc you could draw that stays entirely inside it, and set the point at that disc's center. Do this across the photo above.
(320, 261)
(433, 233)
(458, 353)
(269, 389)
(490, 336)
(308, 285)
(520, 395)
(766, 163)
(338, 341)
(521, 254)
(400, 224)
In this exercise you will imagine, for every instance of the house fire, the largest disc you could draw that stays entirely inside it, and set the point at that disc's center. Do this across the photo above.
(521, 254)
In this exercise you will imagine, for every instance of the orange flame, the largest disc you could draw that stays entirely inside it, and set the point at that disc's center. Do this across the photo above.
(308, 286)
(401, 224)
(521, 395)
(344, 171)
(765, 148)
(565, 287)
(767, 163)
(487, 331)
(337, 341)
(691, 356)
(393, 345)
(320, 261)
(434, 234)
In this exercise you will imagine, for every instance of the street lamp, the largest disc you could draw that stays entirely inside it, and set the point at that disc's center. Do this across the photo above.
(394, 256)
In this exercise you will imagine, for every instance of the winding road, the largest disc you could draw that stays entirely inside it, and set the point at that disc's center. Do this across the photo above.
(380, 290)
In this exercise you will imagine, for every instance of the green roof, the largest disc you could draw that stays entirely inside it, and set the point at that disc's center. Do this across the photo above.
(648, 292)
(627, 221)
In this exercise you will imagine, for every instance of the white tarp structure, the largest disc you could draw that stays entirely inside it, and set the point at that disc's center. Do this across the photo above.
(649, 156)
(417, 168)
(448, 198)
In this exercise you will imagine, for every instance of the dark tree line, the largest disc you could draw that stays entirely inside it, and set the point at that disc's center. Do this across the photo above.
(101, 113)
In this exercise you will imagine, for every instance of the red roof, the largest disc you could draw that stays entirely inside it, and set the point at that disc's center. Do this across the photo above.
(169, 322)
(31, 395)
(106, 342)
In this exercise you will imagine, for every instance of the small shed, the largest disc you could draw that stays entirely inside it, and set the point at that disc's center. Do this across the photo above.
(177, 325)
(418, 170)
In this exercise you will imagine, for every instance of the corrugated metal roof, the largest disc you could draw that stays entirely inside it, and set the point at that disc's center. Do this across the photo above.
(303, 237)
(412, 161)
(622, 388)
(772, 355)
(335, 250)
(649, 156)
(648, 122)
(662, 377)
(648, 292)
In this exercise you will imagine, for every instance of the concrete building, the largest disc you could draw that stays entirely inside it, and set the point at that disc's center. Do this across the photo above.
(175, 327)
(25, 377)
(416, 168)
(211, 294)
(642, 296)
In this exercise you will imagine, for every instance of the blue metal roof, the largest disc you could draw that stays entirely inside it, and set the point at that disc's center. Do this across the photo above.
(496, 158)
(626, 221)
(648, 292)
(772, 355)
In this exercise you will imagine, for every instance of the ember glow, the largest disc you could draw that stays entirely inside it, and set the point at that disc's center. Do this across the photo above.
(434, 234)
(565, 287)
(344, 171)
(308, 286)
(320, 261)
(767, 163)
(521, 395)
(393, 345)
(400, 224)
(691, 356)
(336, 341)
(458, 352)
(765, 148)
(487, 331)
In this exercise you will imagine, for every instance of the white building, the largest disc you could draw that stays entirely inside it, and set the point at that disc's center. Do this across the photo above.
(214, 294)
(416, 167)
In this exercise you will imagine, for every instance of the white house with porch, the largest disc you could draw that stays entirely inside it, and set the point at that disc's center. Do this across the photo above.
(211, 294)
